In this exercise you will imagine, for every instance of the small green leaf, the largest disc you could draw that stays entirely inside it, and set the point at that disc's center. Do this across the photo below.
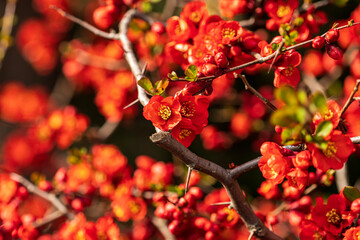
(287, 95)
(294, 34)
(302, 97)
(339, 3)
(291, 136)
(191, 73)
(298, 21)
(274, 46)
(318, 103)
(160, 86)
(351, 22)
(351, 193)
(324, 129)
(172, 75)
(146, 84)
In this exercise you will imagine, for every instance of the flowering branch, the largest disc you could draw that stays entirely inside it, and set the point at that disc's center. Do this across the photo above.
(238, 200)
(61, 208)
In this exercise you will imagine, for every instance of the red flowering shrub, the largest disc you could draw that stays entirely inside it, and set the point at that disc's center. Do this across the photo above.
(279, 77)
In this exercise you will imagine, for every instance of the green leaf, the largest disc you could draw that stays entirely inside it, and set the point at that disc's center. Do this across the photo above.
(324, 129)
(302, 97)
(160, 86)
(290, 136)
(191, 73)
(351, 22)
(339, 3)
(294, 34)
(287, 95)
(172, 75)
(146, 84)
(288, 116)
(274, 46)
(351, 193)
(318, 103)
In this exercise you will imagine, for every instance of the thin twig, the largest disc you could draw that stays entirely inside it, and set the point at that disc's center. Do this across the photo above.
(188, 176)
(106, 129)
(161, 225)
(256, 93)
(350, 99)
(48, 219)
(85, 25)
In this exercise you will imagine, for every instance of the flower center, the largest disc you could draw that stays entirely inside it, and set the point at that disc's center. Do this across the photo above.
(333, 216)
(164, 112)
(228, 32)
(195, 17)
(289, 71)
(328, 115)
(330, 150)
(184, 133)
(283, 11)
(187, 109)
(134, 207)
(317, 236)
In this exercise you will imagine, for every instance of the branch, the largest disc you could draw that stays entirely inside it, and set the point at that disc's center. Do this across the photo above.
(61, 209)
(129, 52)
(256, 93)
(85, 25)
(238, 200)
(6, 28)
(350, 99)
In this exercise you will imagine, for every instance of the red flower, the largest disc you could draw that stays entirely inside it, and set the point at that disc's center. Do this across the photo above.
(339, 147)
(332, 114)
(164, 113)
(298, 178)
(108, 159)
(286, 72)
(328, 217)
(352, 233)
(179, 29)
(273, 165)
(229, 8)
(195, 109)
(227, 32)
(280, 11)
(194, 11)
(185, 132)
(269, 190)
(309, 230)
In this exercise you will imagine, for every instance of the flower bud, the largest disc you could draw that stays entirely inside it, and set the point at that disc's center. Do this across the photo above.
(221, 60)
(355, 206)
(209, 59)
(210, 69)
(334, 51)
(332, 35)
(250, 43)
(158, 28)
(235, 51)
(318, 42)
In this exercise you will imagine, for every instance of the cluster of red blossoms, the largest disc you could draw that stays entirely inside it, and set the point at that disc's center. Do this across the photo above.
(337, 219)
(38, 38)
(184, 114)
(278, 162)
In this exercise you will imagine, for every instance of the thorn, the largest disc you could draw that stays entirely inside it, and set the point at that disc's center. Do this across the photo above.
(220, 203)
(188, 179)
(132, 103)
(143, 71)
